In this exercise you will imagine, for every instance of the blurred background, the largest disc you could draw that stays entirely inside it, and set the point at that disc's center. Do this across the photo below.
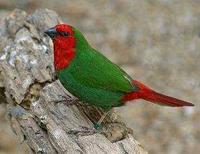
(155, 41)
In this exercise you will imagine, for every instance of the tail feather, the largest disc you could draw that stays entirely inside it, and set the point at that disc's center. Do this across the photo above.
(150, 95)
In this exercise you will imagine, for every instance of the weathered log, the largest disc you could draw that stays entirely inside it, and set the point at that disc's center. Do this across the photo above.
(31, 91)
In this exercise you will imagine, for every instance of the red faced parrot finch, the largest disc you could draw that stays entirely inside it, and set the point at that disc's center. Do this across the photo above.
(94, 79)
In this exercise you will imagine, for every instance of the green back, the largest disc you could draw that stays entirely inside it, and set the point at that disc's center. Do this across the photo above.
(93, 78)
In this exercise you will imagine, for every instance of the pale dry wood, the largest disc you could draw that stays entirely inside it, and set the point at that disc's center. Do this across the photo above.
(28, 80)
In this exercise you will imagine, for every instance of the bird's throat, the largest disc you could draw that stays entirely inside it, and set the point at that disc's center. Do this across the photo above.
(64, 52)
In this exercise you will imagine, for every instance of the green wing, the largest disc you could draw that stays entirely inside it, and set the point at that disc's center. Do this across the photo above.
(92, 69)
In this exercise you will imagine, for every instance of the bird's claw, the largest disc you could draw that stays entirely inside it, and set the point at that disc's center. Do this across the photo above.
(84, 131)
(68, 100)
(97, 126)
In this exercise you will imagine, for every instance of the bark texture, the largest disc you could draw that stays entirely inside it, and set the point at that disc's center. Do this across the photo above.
(31, 90)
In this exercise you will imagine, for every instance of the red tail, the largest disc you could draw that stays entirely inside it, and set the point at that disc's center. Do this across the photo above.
(150, 95)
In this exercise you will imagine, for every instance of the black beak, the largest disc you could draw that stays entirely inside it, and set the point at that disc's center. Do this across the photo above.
(51, 32)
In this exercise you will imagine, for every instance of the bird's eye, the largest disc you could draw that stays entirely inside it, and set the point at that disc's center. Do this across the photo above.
(65, 34)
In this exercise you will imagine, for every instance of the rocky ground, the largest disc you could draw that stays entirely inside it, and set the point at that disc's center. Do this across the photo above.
(155, 41)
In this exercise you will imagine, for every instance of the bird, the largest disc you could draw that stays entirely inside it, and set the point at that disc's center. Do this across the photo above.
(93, 79)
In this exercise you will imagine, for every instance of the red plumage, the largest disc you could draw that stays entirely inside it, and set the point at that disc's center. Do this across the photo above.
(150, 95)
(64, 47)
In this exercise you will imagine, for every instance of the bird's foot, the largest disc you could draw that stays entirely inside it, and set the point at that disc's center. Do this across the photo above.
(97, 126)
(84, 131)
(68, 100)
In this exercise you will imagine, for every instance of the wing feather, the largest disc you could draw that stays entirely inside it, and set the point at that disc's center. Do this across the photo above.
(95, 70)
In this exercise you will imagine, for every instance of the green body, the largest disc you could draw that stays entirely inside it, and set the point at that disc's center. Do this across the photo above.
(93, 78)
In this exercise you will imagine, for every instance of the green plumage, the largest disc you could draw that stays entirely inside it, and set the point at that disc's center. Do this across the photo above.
(93, 78)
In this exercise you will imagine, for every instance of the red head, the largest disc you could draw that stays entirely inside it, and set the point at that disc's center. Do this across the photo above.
(64, 44)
